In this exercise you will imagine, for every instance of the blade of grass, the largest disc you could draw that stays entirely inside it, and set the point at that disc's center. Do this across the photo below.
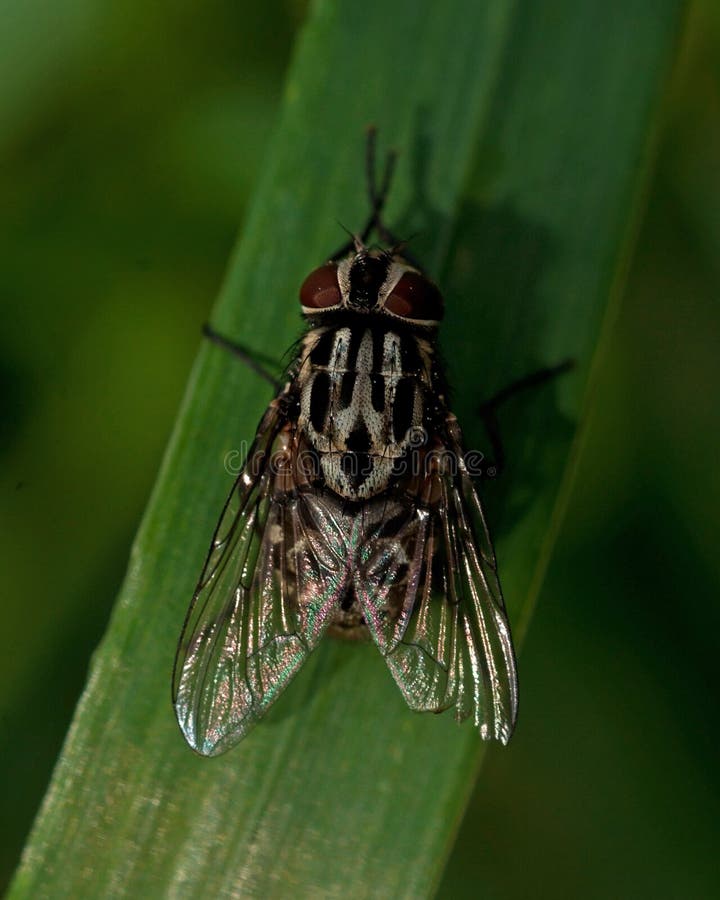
(342, 789)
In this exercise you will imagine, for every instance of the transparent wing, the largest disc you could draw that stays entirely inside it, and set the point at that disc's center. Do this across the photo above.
(431, 598)
(275, 571)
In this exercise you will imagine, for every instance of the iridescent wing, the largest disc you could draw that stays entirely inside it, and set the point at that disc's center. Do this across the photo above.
(431, 598)
(275, 571)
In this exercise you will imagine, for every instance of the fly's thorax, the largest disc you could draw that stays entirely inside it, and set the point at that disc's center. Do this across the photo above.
(364, 388)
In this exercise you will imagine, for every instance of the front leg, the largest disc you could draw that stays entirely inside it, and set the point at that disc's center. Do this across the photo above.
(242, 353)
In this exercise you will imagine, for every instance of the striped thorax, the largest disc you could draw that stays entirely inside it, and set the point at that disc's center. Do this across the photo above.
(367, 373)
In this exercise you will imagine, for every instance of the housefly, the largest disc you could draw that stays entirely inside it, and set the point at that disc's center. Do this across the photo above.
(355, 514)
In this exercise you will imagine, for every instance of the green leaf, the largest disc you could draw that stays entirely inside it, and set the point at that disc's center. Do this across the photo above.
(524, 130)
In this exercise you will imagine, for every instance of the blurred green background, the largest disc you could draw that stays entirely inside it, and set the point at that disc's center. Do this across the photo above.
(130, 139)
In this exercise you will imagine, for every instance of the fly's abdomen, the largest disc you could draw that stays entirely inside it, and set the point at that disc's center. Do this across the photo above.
(362, 398)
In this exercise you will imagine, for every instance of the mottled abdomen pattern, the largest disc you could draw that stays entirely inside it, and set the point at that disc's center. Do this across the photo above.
(364, 395)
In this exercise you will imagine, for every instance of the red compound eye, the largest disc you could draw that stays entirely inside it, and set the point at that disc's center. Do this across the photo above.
(321, 290)
(414, 297)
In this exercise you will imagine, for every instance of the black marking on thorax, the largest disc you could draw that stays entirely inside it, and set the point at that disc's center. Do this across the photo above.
(362, 388)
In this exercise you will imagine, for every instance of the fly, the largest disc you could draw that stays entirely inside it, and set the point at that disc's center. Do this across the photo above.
(354, 514)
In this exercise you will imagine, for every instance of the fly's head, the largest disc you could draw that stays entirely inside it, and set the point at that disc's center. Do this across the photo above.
(374, 281)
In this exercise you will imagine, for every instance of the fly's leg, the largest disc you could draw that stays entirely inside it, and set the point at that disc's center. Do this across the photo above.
(377, 195)
(488, 411)
(378, 198)
(241, 353)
